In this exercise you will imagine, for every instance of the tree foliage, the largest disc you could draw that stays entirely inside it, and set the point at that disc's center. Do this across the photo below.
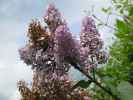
(117, 74)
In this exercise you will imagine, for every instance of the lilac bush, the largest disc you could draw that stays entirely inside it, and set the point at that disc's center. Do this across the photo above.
(51, 52)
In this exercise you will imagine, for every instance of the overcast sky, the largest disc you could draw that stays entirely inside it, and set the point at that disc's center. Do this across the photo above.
(14, 18)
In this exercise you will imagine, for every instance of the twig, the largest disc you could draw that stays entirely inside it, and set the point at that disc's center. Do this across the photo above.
(93, 73)
(105, 24)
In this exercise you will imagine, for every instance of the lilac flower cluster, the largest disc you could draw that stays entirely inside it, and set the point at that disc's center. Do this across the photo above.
(90, 40)
(53, 18)
(50, 65)
(66, 47)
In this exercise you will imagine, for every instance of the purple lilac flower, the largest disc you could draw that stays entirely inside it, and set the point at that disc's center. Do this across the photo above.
(53, 17)
(89, 36)
(66, 47)
(37, 58)
(27, 55)
(90, 39)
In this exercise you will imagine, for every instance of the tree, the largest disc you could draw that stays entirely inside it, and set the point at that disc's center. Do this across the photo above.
(52, 50)
(117, 74)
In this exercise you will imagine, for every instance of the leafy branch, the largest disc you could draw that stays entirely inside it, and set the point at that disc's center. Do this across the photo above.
(96, 82)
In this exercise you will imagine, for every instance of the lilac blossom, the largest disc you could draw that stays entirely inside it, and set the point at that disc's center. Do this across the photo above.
(89, 36)
(53, 17)
(66, 47)
(36, 57)
(90, 39)
(27, 54)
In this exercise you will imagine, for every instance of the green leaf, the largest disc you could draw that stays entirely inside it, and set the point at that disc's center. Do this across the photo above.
(109, 83)
(130, 56)
(82, 84)
(126, 90)
(118, 6)
(131, 18)
(100, 24)
(131, 11)
(107, 10)
(122, 26)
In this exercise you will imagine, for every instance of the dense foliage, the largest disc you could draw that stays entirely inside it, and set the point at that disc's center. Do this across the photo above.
(117, 74)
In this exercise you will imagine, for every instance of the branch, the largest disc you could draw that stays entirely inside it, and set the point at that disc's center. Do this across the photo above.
(96, 82)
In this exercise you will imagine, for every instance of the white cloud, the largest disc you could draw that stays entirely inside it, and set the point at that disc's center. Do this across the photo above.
(15, 96)
(11, 68)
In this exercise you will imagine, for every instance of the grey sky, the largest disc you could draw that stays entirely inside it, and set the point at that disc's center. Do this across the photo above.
(14, 18)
